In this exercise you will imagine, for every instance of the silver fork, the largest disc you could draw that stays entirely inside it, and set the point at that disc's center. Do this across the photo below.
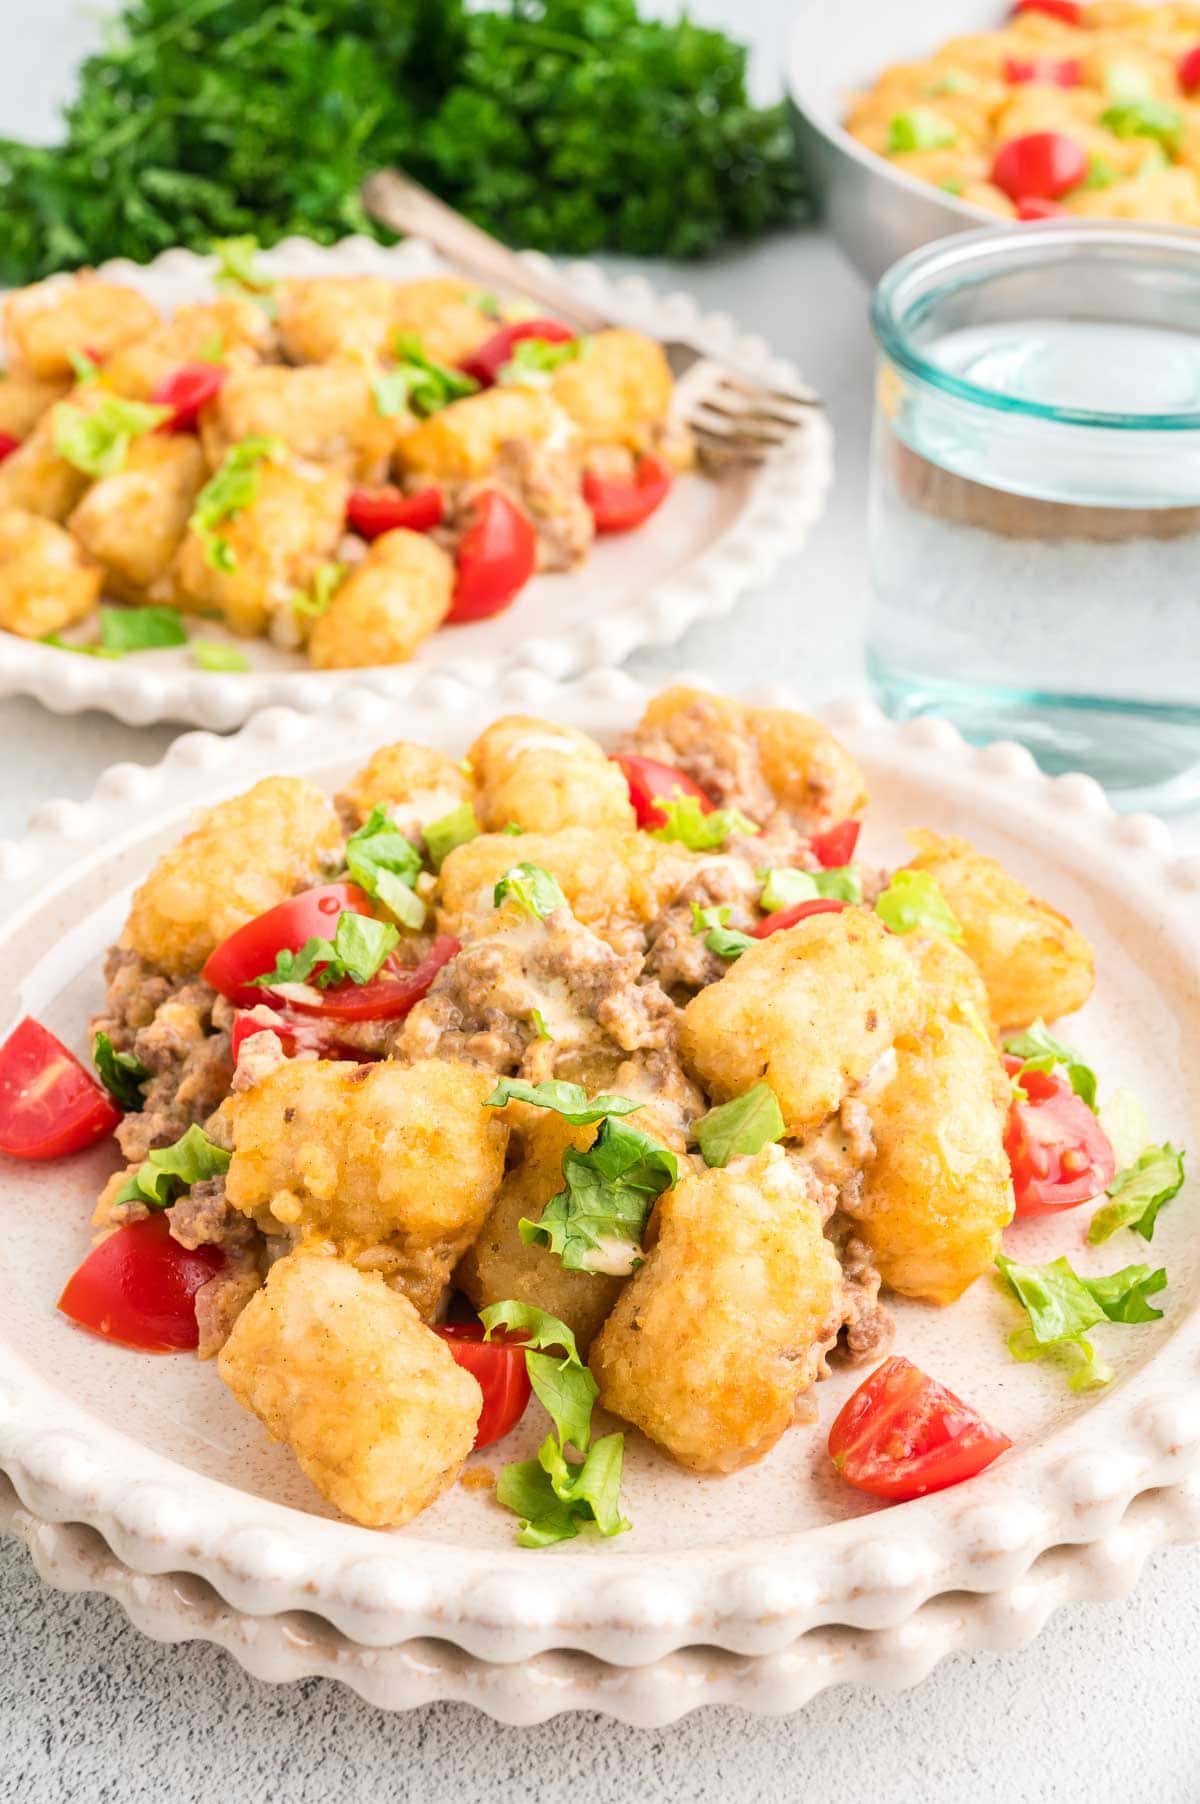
(734, 417)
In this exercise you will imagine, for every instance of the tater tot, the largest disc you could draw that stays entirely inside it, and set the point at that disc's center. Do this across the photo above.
(230, 331)
(241, 858)
(950, 982)
(499, 1265)
(45, 324)
(321, 318)
(810, 1009)
(463, 441)
(23, 401)
(1032, 960)
(546, 777)
(369, 1400)
(35, 477)
(444, 314)
(387, 606)
(414, 783)
(323, 412)
(133, 522)
(393, 1164)
(277, 542)
(938, 1193)
(617, 389)
(46, 581)
(711, 1344)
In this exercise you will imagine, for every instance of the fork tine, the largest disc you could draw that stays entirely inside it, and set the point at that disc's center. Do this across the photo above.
(751, 431)
(717, 455)
(738, 384)
(735, 420)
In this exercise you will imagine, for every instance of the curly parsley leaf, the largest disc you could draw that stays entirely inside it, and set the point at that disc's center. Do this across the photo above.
(740, 1128)
(531, 888)
(386, 864)
(451, 830)
(687, 823)
(228, 492)
(913, 901)
(1038, 1050)
(95, 440)
(571, 1101)
(121, 1073)
(170, 1170)
(1062, 1308)
(1138, 1192)
(358, 949)
(596, 1223)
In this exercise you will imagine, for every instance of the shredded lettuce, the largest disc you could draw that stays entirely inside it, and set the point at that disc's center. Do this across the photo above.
(1038, 1050)
(913, 901)
(96, 440)
(571, 1101)
(596, 1222)
(687, 823)
(121, 1073)
(1138, 1192)
(451, 830)
(359, 947)
(170, 1170)
(531, 888)
(1062, 1308)
(741, 1127)
(386, 864)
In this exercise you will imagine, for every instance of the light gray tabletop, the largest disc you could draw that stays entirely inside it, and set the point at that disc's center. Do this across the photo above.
(1101, 1707)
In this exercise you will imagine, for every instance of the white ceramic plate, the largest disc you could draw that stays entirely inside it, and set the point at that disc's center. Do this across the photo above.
(155, 1456)
(712, 543)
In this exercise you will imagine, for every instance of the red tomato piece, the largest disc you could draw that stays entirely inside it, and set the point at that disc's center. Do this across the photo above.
(1057, 71)
(650, 782)
(497, 555)
(49, 1105)
(902, 1435)
(8, 444)
(371, 512)
(799, 911)
(1059, 1154)
(254, 948)
(485, 364)
(1188, 69)
(835, 847)
(1039, 166)
(1069, 11)
(395, 989)
(498, 1367)
(618, 506)
(186, 391)
(295, 1035)
(1040, 209)
(138, 1287)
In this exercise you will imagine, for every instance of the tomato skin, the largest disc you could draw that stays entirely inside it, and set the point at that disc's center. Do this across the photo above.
(498, 1367)
(138, 1287)
(799, 911)
(186, 390)
(1030, 209)
(649, 780)
(372, 512)
(253, 949)
(296, 1035)
(1059, 72)
(396, 989)
(1039, 166)
(8, 444)
(1069, 11)
(619, 506)
(835, 847)
(1059, 1154)
(1188, 69)
(497, 555)
(485, 364)
(49, 1105)
(902, 1434)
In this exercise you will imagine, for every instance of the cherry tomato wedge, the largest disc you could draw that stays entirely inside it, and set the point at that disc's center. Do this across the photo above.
(1069, 11)
(799, 911)
(1059, 1154)
(391, 992)
(138, 1287)
(371, 512)
(295, 1035)
(650, 781)
(485, 364)
(497, 555)
(254, 948)
(835, 847)
(49, 1105)
(8, 444)
(1188, 69)
(620, 505)
(498, 1367)
(1039, 166)
(1056, 71)
(185, 391)
(1040, 209)
(902, 1434)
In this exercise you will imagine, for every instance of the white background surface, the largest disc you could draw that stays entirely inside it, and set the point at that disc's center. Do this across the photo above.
(1101, 1708)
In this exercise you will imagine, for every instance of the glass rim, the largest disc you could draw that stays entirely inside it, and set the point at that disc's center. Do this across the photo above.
(966, 258)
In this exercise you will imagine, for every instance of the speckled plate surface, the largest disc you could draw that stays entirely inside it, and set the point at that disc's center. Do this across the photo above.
(155, 1456)
(713, 542)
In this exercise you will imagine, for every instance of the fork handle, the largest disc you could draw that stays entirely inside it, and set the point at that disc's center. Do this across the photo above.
(398, 202)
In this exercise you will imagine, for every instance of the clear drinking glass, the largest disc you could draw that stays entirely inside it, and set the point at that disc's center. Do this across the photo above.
(1035, 497)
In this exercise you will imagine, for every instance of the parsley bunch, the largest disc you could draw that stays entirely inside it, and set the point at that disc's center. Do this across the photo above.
(569, 125)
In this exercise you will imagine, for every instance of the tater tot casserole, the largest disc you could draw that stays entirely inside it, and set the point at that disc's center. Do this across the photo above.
(1065, 108)
(340, 464)
(589, 1080)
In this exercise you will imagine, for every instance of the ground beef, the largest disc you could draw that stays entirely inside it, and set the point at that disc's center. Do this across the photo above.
(725, 764)
(220, 1302)
(182, 1094)
(676, 955)
(202, 1217)
(168, 1024)
(544, 482)
(868, 1328)
(658, 1080)
(136, 991)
